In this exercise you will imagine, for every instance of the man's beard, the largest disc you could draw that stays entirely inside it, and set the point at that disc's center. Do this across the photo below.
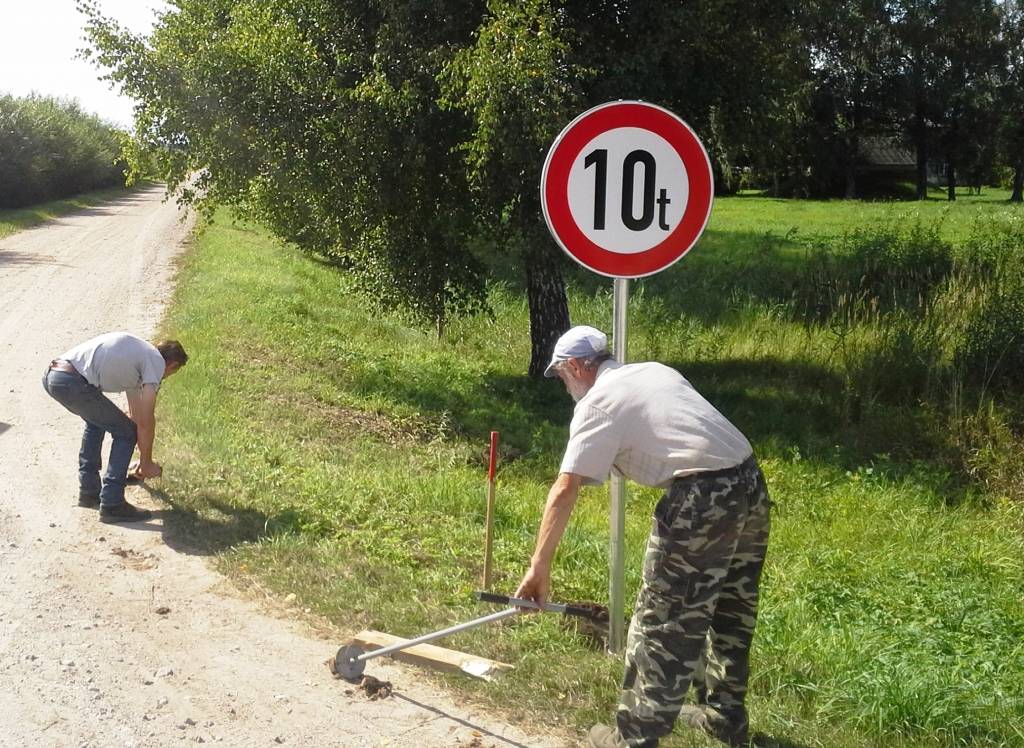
(576, 388)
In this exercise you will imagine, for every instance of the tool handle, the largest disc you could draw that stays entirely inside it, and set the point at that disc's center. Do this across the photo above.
(438, 634)
(569, 610)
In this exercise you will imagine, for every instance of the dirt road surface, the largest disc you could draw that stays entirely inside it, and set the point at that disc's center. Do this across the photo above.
(85, 658)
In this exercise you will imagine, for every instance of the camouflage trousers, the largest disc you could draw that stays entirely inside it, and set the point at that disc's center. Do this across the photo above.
(695, 614)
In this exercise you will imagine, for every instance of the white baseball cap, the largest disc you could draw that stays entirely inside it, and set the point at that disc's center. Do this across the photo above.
(577, 342)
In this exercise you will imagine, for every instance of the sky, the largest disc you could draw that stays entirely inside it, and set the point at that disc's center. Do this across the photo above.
(39, 42)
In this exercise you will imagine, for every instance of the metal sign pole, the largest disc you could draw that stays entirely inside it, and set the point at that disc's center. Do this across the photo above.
(617, 534)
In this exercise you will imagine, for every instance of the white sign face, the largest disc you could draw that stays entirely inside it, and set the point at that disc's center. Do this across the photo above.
(627, 190)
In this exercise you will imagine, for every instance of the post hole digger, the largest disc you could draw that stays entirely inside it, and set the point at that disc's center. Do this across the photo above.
(350, 661)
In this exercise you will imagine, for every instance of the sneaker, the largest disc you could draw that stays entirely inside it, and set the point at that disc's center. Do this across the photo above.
(89, 501)
(603, 736)
(706, 719)
(123, 512)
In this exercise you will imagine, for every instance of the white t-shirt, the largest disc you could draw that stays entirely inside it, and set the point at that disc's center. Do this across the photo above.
(650, 424)
(117, 362)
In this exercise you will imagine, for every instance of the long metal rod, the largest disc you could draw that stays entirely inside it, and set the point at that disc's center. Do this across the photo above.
(617, 513)
(438, 634)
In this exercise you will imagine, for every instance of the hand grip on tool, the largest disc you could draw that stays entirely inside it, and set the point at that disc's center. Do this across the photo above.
(569, 610)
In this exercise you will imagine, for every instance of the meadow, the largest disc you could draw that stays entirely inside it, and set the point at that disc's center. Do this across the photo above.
(320, 447)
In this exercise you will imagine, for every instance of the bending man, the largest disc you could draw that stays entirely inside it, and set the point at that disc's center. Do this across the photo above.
(698, 600)
(114, 362)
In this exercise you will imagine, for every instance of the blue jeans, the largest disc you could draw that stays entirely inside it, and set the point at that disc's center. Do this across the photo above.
(100, 416)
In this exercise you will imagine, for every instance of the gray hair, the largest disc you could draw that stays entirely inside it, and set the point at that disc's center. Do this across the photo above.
(592, 362)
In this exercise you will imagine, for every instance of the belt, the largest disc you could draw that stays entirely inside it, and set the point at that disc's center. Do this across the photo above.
(61, 365)
(748, 463)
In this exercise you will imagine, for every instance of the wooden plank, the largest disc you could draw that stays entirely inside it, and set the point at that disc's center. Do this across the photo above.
(432, 656)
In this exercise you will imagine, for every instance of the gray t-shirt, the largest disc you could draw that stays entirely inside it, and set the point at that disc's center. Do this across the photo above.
(649, 423)
(117, 362)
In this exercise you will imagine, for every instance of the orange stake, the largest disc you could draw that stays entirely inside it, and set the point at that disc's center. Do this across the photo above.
(489, 536)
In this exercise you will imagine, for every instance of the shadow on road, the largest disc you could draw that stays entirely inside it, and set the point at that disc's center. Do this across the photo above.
(187, 531)
(441, 713)
(14, 258)
(4, 427)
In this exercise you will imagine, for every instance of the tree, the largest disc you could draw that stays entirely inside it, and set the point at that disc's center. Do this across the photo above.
(950, 66)
(970, 59)
(1011, 97)
(391, 137)
(913, 22)
(853, 57)
(519, 88)
(320, 119)
(50, 148)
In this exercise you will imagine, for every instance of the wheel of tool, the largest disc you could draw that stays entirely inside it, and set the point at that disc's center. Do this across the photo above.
(347, 663)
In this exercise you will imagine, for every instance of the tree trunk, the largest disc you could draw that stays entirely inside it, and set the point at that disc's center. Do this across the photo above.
(549, 308)
(920, 135)
(853, 154)
(950, 179)
(1018, 183)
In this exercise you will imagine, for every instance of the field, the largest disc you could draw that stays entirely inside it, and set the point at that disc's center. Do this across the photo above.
(323, 448)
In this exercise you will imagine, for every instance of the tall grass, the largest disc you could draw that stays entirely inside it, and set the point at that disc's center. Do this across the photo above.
(339, 455)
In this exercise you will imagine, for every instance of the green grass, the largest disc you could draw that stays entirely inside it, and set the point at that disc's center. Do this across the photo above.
(321, 450)
(12, 221)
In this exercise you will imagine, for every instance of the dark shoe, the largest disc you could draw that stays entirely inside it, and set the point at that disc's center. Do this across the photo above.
(89, 501)
(603, 736)
(123, 512)
(731, 731)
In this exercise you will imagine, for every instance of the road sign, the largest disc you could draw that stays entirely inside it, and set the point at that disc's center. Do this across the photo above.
(627, 189)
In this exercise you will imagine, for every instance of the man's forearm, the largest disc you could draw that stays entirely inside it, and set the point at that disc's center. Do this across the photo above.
(146, 431)
(557, 510)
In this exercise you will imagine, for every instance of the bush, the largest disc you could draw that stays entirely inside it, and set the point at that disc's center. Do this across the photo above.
(989, 351)
(874, 269)
(928, 336)
(50, 148)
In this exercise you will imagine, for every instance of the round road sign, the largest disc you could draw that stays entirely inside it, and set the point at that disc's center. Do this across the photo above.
(627, 189)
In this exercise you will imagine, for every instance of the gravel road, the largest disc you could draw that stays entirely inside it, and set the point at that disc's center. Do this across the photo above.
(85, 658)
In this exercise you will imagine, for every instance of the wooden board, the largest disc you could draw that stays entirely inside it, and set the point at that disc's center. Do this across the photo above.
(432, 656)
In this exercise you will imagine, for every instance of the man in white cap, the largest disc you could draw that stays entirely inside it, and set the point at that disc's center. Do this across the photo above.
(695, 613)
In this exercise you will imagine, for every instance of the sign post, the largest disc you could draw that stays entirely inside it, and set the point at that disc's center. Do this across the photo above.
(617, 513)
(626, 191)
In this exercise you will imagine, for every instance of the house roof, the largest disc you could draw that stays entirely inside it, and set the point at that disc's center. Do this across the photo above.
(885, 151)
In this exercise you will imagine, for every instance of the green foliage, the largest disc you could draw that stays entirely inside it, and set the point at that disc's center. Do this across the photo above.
(330, 451)
(320, 120)
(50, 148)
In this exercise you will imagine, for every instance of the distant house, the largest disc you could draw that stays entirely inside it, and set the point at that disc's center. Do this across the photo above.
(887, 157)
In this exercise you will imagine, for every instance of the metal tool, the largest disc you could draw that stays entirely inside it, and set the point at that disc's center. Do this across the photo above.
(350, 662)
(569, 610)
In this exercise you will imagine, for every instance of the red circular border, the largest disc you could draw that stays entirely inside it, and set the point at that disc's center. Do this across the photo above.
(555, 188)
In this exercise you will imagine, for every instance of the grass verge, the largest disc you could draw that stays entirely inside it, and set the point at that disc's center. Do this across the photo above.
(339, 456)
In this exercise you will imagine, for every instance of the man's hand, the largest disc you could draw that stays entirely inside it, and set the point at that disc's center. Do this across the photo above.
(536, 586)
(143, 470)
